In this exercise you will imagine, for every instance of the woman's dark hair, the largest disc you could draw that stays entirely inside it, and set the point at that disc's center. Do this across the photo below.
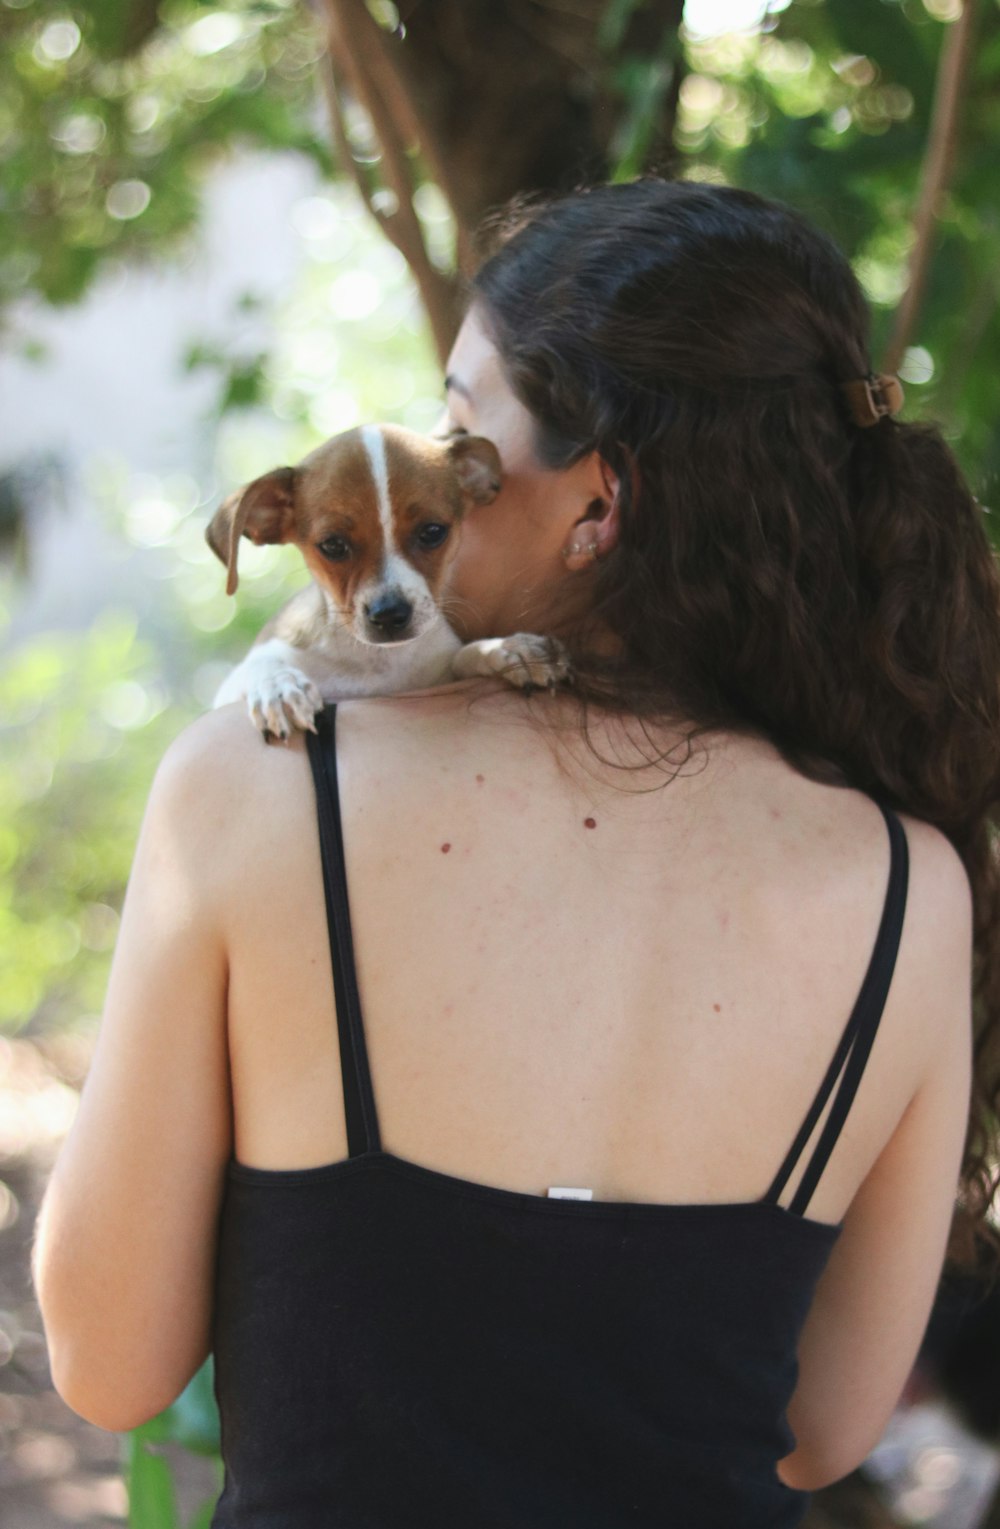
(780, 570)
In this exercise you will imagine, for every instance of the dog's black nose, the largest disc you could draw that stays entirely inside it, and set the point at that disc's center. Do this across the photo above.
(390, 614)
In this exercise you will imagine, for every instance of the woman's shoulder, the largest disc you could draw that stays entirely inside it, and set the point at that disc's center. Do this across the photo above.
(215, 739)
(386, 744)
(218, 779)
(222, 762)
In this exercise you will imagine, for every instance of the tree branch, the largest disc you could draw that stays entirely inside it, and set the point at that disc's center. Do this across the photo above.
(350, 47)
(386, 80)
(332, 91)
(956, 52)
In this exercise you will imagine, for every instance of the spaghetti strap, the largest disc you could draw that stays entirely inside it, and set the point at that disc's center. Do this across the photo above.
(359, 1100)
(859, 1033)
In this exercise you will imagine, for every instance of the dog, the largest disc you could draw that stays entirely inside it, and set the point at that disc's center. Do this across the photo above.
(376, 512)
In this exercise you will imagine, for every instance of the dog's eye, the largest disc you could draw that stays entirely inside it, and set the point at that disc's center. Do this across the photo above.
(432, 535)
(334, 549)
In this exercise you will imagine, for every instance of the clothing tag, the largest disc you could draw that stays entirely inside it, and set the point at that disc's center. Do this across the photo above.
(560, 1192)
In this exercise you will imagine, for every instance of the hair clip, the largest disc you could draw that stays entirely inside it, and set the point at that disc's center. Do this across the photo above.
(871, 398)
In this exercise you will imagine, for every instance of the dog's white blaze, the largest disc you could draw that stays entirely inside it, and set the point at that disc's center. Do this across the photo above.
(395, 572)
(377, 460)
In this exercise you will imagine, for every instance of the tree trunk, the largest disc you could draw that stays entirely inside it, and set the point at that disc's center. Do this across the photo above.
(497, 97)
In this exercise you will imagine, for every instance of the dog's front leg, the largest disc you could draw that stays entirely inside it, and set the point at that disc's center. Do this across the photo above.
(280, 695)
(284, 676)
(524, 659)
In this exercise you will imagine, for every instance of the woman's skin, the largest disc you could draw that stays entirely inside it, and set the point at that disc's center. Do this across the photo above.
(512, 561)
(566, 977)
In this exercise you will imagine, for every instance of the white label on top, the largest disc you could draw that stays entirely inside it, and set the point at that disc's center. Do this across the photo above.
(561, 1192)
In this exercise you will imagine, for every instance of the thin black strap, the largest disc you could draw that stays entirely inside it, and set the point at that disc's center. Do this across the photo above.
(860, 1031)
(359, 1101)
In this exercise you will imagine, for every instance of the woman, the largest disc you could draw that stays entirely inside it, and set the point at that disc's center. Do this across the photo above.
(710, 963)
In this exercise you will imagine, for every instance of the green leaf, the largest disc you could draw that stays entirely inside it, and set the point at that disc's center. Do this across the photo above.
(152, 1502)
(244, 385)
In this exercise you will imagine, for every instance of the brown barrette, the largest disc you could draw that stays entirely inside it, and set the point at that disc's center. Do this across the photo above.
(871, 397)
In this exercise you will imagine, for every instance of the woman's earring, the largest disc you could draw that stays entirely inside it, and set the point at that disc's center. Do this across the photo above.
(590, 547)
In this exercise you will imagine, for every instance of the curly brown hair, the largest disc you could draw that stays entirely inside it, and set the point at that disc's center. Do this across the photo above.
(780, 571)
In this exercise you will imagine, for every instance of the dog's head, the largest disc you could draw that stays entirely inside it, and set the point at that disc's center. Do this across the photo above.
(376, 513)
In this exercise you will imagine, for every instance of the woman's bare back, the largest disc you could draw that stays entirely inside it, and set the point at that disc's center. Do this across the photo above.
(645, 1006)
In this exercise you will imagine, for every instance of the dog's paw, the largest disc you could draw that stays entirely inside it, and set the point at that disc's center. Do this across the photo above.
(282, 700)
(524, 659)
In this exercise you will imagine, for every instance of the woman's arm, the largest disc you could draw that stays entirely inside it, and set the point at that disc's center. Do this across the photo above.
(124, 1249)
(864, 1329)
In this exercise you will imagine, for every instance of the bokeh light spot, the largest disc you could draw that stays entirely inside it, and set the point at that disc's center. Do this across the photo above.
(127, 199)
(58, 42)
(210, 34)
(354, 295)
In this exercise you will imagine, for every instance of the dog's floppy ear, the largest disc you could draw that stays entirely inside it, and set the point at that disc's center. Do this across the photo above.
(476, 462)
(262, 510)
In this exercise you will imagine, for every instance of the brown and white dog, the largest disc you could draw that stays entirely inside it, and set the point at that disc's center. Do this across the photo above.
(376, 513)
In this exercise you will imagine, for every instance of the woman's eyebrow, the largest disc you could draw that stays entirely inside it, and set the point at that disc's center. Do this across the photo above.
(451, 381)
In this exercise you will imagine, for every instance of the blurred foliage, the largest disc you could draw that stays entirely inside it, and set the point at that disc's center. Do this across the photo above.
(111, 113)
(71, 797)
(829, 108)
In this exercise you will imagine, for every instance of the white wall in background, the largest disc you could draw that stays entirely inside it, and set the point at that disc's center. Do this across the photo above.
(112, 386)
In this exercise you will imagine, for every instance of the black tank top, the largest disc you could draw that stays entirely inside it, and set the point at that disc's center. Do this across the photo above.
(399, 1348)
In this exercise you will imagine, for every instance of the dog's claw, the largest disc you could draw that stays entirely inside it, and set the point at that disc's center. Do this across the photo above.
(282, 702)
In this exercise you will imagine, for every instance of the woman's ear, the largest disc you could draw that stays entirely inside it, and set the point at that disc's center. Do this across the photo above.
(609, 478)
(598, 531)
(594, 535)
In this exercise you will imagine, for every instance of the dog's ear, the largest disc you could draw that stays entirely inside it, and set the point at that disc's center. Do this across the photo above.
(262, 510)
(476, 462)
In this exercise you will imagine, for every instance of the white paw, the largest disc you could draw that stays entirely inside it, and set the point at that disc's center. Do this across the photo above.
(280, 700)
(524, 659)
